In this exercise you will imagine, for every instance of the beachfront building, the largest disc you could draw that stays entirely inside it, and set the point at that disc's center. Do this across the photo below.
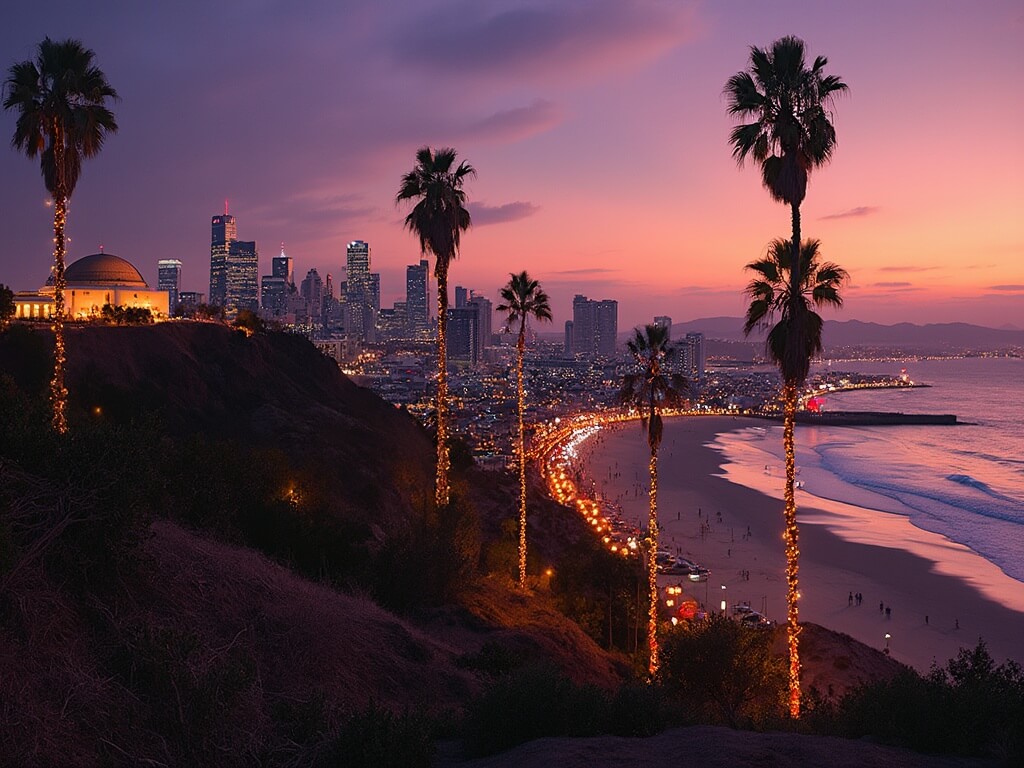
(91, 282)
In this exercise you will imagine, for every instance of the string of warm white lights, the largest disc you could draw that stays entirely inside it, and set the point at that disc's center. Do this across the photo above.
(443, 458)
(58, 392)
(790, 536)
(522, 463)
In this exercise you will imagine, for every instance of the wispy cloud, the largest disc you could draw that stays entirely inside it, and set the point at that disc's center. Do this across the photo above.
(516, 123)
(587, 271)
(551, 41)
(906, 268)
(1013, 288)
(891, 285)
(499, 214)
(860, 210)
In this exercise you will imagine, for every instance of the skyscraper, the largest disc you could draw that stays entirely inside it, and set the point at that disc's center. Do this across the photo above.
(416, 301)
(312, 290)
(282, 266)
(464, 334)
(693, 356)
(607, 327)
(223, 234)
(241, 278)
(595, 325)
(461, 296)
(584, 322)
(359, 319)
(168, 278)
(484, 315)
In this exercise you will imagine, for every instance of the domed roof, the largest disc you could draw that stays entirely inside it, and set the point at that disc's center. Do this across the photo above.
(102, 269)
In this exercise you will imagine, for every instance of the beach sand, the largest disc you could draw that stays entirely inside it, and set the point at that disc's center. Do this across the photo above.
(843, 549)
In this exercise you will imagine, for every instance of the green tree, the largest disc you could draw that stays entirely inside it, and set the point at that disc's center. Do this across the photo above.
(790, 135)
(771, 294)
(6, 305)
(650, 388)
(61, 100)
(523, 298)
(438, 219)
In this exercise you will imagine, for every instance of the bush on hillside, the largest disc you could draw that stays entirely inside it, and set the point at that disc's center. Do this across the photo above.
(724, 673)
(969, 707)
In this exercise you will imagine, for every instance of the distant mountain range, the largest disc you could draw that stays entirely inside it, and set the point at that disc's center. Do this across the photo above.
(855, 333)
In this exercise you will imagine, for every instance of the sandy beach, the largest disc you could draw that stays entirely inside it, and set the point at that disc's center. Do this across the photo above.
(941, 595)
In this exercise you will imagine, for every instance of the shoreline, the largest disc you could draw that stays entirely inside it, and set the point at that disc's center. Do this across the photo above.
(697, 483)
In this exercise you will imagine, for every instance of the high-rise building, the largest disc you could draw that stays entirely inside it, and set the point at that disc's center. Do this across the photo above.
(693, 356)
(223, 234)
(595, 325)
(275, 287)
(584, 322)
(168, 278)
(484, 316)
(567, 344)
(312, 291)
(461, 297)
(283, 266)
(464, 334)
(416, 301)
(664, 321)
(607, 327)
(273, 294)
(241, 278)
(359, 316)
(189, 300)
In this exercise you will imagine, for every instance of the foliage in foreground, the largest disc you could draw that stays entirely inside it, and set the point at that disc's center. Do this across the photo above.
(972, 706)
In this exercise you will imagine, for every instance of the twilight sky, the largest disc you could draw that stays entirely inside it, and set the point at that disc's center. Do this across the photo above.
(597, 127)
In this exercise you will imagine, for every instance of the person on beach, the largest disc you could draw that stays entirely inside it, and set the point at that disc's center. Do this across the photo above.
(881, 606)
(849, 601)
(888, 612)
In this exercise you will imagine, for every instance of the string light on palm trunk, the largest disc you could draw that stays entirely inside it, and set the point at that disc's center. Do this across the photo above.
(652, 568)
(443, 458)
(522, 459)
(791, 537)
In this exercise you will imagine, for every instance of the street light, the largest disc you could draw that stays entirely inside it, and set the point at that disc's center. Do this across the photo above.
(724, 601)
(887, 636)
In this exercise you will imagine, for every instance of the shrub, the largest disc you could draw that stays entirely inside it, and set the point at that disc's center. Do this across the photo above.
(724, 672)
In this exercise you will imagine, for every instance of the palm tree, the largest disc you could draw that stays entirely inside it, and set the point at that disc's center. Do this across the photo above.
(63, 118)
(650, 389)
(791, 135)
(771, 293)
(438, 219)
(522, 299)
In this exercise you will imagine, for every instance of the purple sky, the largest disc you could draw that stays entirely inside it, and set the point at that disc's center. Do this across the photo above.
(597, 127)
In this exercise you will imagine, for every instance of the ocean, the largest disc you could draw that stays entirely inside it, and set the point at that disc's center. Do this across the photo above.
(965, 482)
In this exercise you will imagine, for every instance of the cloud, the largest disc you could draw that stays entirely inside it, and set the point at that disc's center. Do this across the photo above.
(860, 210)
(891, 285)
(499, 214)
(906, 268)
(1010, 288)
(516, 123)
(570, 38)
(302, 211)
(587, 271)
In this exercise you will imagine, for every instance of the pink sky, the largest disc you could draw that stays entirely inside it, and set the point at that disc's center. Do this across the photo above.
(598, 130)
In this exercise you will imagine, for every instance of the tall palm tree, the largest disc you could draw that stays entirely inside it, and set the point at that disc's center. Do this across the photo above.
(438, 218)
(61, 100)
(523, 298)
(791, 135)
(771, 294)
(649, 389)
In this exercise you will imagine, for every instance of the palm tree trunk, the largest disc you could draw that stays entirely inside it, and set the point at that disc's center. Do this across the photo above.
(652, 566)
(796, 350)
(791, 536)
(58, 392)
(520, 350)
(443, 462)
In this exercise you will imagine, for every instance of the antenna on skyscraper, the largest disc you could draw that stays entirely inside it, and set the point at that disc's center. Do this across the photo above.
(225, 206)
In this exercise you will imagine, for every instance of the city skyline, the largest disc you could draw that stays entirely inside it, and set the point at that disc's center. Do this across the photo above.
(539, 98)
